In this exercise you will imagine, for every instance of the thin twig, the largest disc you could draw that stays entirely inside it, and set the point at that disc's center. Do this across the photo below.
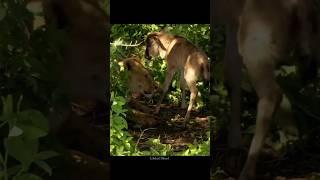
(128, 45)
(2, 124)
(135, 148)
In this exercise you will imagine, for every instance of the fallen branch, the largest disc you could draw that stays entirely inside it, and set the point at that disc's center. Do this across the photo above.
(127, 45)
(135, 148)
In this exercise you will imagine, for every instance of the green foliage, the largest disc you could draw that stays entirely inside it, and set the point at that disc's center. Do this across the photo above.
(159, 149)
(120, 140)
(30, 65)
(202, 149)
(24, 129)
(29, 59)
(156, 149)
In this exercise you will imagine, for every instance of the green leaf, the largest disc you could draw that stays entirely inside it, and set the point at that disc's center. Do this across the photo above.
(14, 170)
(22, 150)
(33, 118)
(19, 103)
(28, 176)
(30, 132)
(1, 158)
(3, 13)
(44, 155)
(45, 166)
(250, 130)
(15, 131)
(7, 105)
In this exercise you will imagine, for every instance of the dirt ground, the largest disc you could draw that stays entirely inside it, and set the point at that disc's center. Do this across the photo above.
(169, 127)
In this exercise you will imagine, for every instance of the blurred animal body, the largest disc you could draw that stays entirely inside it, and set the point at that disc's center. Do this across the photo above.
(261, 33)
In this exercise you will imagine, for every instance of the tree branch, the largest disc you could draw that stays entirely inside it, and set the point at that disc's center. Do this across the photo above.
(127, 45)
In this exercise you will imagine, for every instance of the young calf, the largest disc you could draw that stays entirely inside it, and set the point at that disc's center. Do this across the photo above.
(182, 55)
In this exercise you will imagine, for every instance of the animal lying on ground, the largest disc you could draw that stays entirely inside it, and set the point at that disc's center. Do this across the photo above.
(140, 84)
(140, 81)
(263, 32)
(180, 55)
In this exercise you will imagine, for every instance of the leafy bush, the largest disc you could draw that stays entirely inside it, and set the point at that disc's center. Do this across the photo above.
(24, 129)
(120, 140)
(30, 58)
(202, 149)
